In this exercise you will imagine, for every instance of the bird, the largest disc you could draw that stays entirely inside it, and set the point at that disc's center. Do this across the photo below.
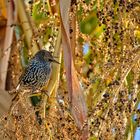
(37, 72)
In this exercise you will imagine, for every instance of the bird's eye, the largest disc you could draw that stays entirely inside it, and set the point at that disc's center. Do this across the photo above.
(50, 59)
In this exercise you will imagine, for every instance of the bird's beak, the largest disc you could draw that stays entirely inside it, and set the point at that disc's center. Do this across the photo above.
(53, 60)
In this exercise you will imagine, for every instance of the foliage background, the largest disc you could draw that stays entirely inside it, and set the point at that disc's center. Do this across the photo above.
(105, 38)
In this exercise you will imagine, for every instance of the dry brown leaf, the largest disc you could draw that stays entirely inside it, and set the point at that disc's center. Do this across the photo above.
(78, 105)
(7, 45)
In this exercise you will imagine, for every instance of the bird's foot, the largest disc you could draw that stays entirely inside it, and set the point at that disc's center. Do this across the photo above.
(39, 93)
(45, 92)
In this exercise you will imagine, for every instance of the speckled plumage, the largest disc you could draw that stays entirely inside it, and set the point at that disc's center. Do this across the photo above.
(38, 71)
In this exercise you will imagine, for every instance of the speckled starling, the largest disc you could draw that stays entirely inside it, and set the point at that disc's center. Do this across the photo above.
(38, 71)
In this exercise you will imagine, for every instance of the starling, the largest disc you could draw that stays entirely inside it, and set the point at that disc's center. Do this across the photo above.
(37, 72)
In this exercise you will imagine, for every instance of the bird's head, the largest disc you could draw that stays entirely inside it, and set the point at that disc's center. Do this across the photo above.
(46, 55)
